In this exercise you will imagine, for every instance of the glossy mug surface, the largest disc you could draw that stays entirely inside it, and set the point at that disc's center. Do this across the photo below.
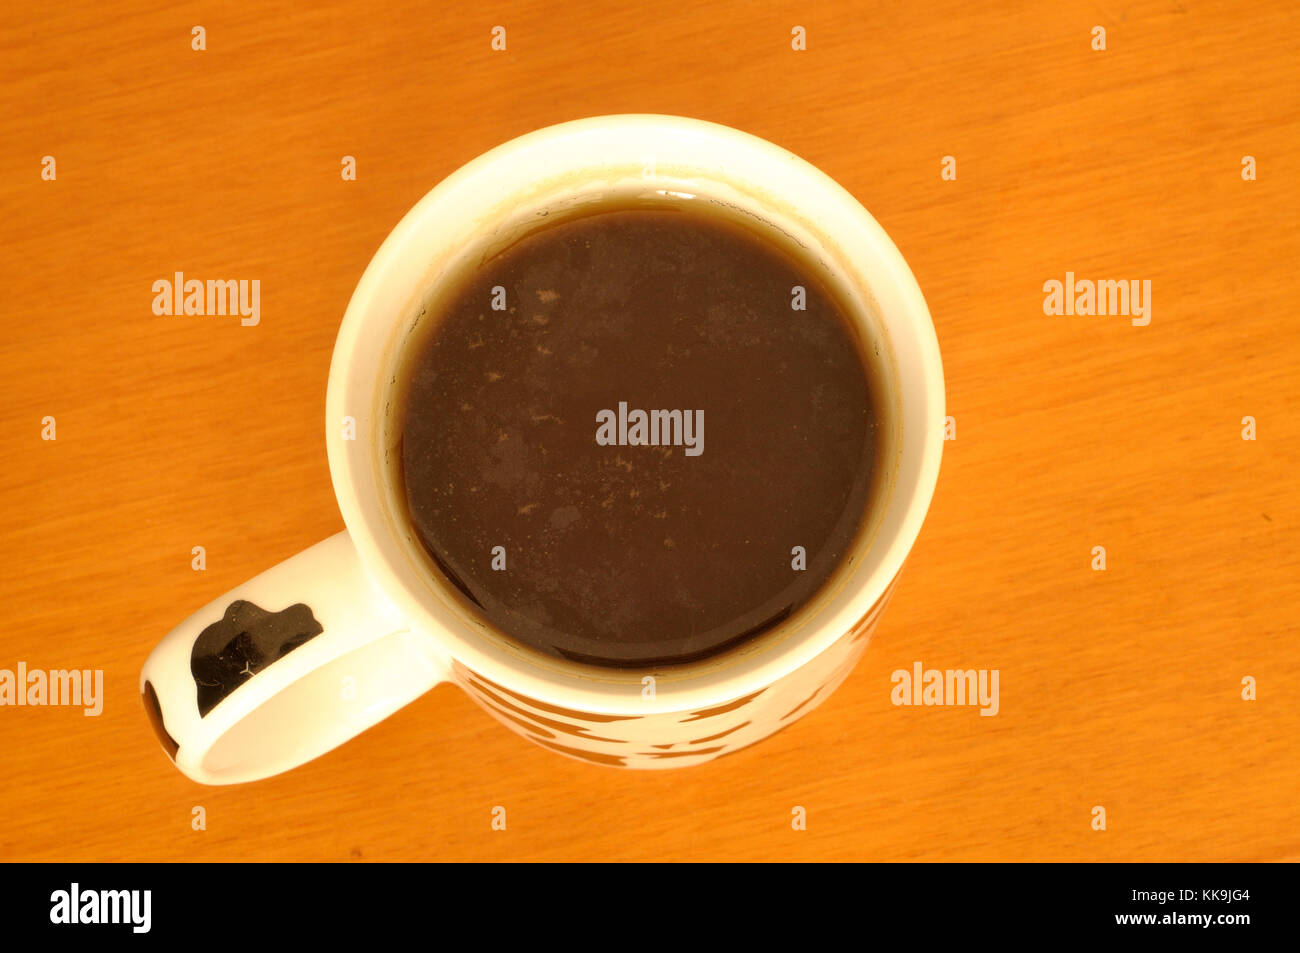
(313, 651)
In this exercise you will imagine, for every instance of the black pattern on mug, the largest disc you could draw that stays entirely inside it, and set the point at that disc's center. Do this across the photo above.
(244, 641)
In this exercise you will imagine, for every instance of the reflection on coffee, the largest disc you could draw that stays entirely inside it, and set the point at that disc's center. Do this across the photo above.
(552, 413)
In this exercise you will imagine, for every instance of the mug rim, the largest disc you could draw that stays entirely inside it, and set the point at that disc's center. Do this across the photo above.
(353, 394)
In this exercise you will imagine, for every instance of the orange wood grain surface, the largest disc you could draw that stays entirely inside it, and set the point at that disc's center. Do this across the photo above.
(1120, 688)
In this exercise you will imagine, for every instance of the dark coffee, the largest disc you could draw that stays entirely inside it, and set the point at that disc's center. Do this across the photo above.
(623, 465)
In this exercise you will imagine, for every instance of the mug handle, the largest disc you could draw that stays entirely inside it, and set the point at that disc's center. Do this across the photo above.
(284, 668)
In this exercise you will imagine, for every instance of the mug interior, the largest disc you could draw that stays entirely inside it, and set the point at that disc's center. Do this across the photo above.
(561, 172)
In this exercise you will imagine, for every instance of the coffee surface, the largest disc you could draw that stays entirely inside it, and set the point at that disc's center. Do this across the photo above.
(589, 532)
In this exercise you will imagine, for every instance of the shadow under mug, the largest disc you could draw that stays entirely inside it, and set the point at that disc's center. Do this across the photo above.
(315, 650)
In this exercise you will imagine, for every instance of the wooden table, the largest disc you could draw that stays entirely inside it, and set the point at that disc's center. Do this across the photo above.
(1121, 689)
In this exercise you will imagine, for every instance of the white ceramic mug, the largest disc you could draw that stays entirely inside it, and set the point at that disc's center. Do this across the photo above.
(313, 651)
